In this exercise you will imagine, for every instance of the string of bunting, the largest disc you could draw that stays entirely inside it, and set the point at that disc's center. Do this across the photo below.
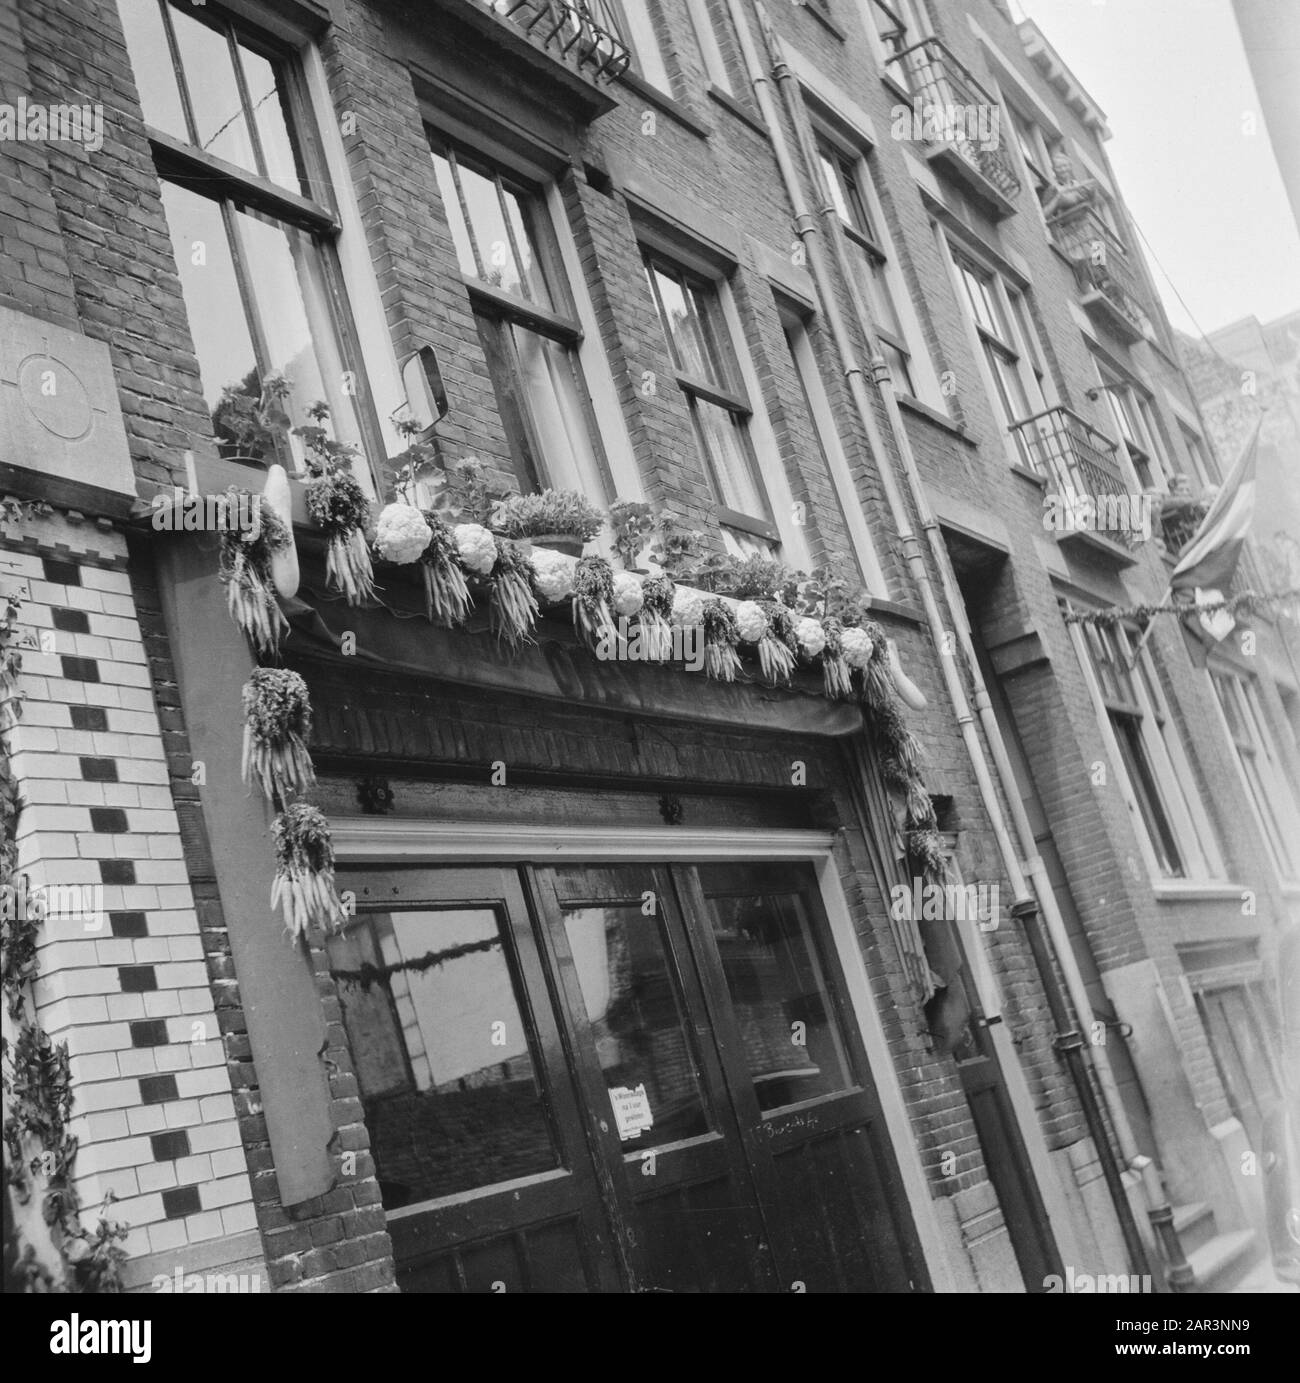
(1245, 602)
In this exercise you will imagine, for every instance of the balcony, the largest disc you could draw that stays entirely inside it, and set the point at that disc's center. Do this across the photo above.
(959, 119)
(1092, 501)
(571, 45)
(1109, 284)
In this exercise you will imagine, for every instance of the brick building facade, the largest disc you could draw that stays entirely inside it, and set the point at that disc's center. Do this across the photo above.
(904, 347)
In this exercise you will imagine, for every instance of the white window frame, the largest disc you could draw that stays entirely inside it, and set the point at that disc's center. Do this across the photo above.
(1166, 758)
(1029, 363)
(612, 452)
(706, 38)
(1150, 451)
(1280, 798)
(823, 420)
(632, 21)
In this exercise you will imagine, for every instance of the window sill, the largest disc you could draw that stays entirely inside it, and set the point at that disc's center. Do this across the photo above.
(896, 87)
(737, 108)
(1032, 476)
(823, 19)
(666, 103)
(1195, 890)
(904, 614)
(932, 415)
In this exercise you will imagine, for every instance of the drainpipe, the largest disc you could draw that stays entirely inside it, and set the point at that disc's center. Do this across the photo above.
(1025, 906)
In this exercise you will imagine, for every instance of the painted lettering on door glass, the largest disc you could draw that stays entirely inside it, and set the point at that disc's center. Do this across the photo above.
(443, 1058)
(636, 1020)
(788, 1027)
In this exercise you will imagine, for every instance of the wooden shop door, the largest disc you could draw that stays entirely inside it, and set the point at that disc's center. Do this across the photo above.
(601, 1078)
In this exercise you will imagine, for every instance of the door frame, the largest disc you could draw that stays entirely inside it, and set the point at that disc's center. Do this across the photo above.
(370, 840)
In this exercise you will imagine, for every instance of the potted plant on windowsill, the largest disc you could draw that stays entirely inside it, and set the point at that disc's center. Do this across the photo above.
(633, 522)
(561, 520)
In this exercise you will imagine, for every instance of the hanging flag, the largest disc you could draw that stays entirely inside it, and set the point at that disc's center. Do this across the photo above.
(1209, 561)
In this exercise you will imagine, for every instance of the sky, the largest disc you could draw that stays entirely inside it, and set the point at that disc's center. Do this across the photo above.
(1173, 79)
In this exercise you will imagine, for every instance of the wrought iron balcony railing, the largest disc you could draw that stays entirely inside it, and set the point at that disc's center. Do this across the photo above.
(947, 98)
(580, 32)
(1081, 468)
(1107, 277)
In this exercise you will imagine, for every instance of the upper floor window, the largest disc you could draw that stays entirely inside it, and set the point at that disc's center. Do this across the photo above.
(632, 22)
(1040, 149)
(1199, 457)
(842, 172)
(899, 25)
(1133, 413)
(526, 320)
(1266, 776)
(1152, 760)
(1001, 320)
(251, 219)
(691, 314)
(707, 35)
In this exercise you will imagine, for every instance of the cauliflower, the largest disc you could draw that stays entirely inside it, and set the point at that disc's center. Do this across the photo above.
(750, 620)
(628, 597)
(476, 547)
(552, 575)
(401, 535)
(688, 606)
(811, 637)
(856, 646)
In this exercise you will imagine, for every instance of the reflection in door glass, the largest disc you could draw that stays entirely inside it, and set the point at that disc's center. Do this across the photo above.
(779, 994)
(442, 1056)
(636, 1023)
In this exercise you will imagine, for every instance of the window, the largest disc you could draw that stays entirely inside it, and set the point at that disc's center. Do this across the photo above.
(1196, 452)
(841, 172)
(250, 221)
(1038, 148)
(1000, 317)
(690, 311)
(827, 439)
(900, 25)
(1262, 768)
(1134, 417)
(632, 21)
(1240, 1043)
(526, 322)
(707, 36)
(1152, 759)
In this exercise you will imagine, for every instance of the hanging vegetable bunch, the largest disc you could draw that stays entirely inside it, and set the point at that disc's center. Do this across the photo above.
(721, 635)
(593, 593)
(511, 602)
(277, 723)
(446, 594)
(337, 503)
(246, 573)
(778, 650)
(654, 619)
(304, 876)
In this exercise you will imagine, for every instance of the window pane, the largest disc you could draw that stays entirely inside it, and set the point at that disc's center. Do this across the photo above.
(503, 370)
(289, 291)
(222, 340)
(214, 92)
(640, 1032)
(723, 440)
(1159, 831)
(779, 995)
(151, 60)
(899, 366)
(451, 1096)
(556, 401)
(270, 105)
(455, 217)
(680, 326)
(533, 281)
(491, 238)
